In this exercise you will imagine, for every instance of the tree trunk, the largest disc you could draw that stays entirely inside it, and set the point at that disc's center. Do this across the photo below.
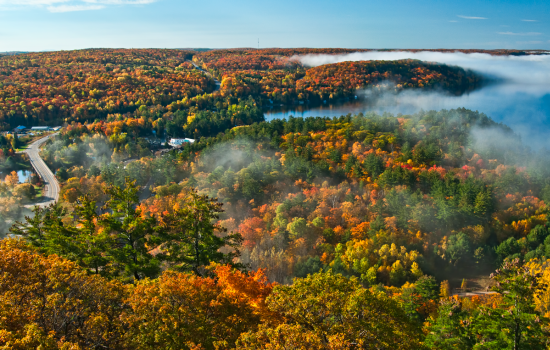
(517, 333)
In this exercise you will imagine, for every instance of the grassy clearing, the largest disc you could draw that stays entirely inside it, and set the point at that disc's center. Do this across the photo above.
(22, 148)
(39, 193)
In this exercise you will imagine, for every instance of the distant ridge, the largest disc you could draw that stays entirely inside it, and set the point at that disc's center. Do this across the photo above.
(12, 53)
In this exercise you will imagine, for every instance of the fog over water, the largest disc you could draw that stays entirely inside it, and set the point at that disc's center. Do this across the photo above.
(520, 98)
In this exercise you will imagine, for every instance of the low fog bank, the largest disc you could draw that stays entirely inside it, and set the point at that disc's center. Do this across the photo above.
(520, 98)
(528, 70)
(527, 114)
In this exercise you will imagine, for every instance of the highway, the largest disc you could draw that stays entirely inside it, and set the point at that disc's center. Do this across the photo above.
(50, 193)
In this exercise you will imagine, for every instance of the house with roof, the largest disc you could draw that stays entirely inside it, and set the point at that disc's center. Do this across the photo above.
(180, 142)
(19, 129)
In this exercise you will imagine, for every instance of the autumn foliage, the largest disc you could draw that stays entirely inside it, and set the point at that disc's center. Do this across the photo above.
(57, 87)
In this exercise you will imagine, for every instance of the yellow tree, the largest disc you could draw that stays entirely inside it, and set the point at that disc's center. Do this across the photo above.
(329, 311)
(49, 300)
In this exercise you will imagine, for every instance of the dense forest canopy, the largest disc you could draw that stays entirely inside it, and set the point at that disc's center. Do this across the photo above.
(315, 190)
(355, 232)
(57, 87)
(61, 87)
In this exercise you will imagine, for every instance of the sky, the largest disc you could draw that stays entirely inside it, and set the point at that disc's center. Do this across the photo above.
(41, 25)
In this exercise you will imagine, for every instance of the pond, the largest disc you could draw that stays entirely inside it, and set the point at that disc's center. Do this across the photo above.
(24, 175)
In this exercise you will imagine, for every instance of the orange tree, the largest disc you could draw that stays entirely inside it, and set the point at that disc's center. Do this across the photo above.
(182, 310)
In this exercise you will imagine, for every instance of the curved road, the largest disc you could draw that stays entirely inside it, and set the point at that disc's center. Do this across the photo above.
(51, 186)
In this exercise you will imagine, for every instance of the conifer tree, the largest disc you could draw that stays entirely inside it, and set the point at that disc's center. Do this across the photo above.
(133, 235)
(192, 239)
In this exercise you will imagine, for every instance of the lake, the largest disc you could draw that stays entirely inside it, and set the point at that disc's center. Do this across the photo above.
(520, 100)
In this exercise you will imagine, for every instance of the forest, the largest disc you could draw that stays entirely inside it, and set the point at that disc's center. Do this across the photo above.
(56, 88)
(367, 231)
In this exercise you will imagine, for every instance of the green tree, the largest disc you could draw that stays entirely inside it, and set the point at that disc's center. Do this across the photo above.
(92, 243)
(426, 287)
(32, 229)
(514, 323)
(451, 328)
(309, 266)
(459, 248)
(374, 165)
(297, 228)
(62, 174)
(93, 171)
(484, 203)
(47, 231)
(192, 239)
(133, 235)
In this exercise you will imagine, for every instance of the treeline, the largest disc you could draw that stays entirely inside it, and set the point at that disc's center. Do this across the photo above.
(125, 279)
(350, 215)
(279, 77)
(342, 80)
(340, 193)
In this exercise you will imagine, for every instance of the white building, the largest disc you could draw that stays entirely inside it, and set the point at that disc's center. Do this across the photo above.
(180, 142)
(40, 128)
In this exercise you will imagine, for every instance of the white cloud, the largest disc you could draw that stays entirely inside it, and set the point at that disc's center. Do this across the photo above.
(470, 17)
(31, 2)
(453, 21)
(74, 8)
(71, 5)
(120, 2)
(523, 34)
(529, 20)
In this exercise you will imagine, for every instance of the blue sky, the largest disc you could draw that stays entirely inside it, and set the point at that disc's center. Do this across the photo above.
(35, 25)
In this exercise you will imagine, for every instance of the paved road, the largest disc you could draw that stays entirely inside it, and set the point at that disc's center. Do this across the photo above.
(51, 186)
(218, 84)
